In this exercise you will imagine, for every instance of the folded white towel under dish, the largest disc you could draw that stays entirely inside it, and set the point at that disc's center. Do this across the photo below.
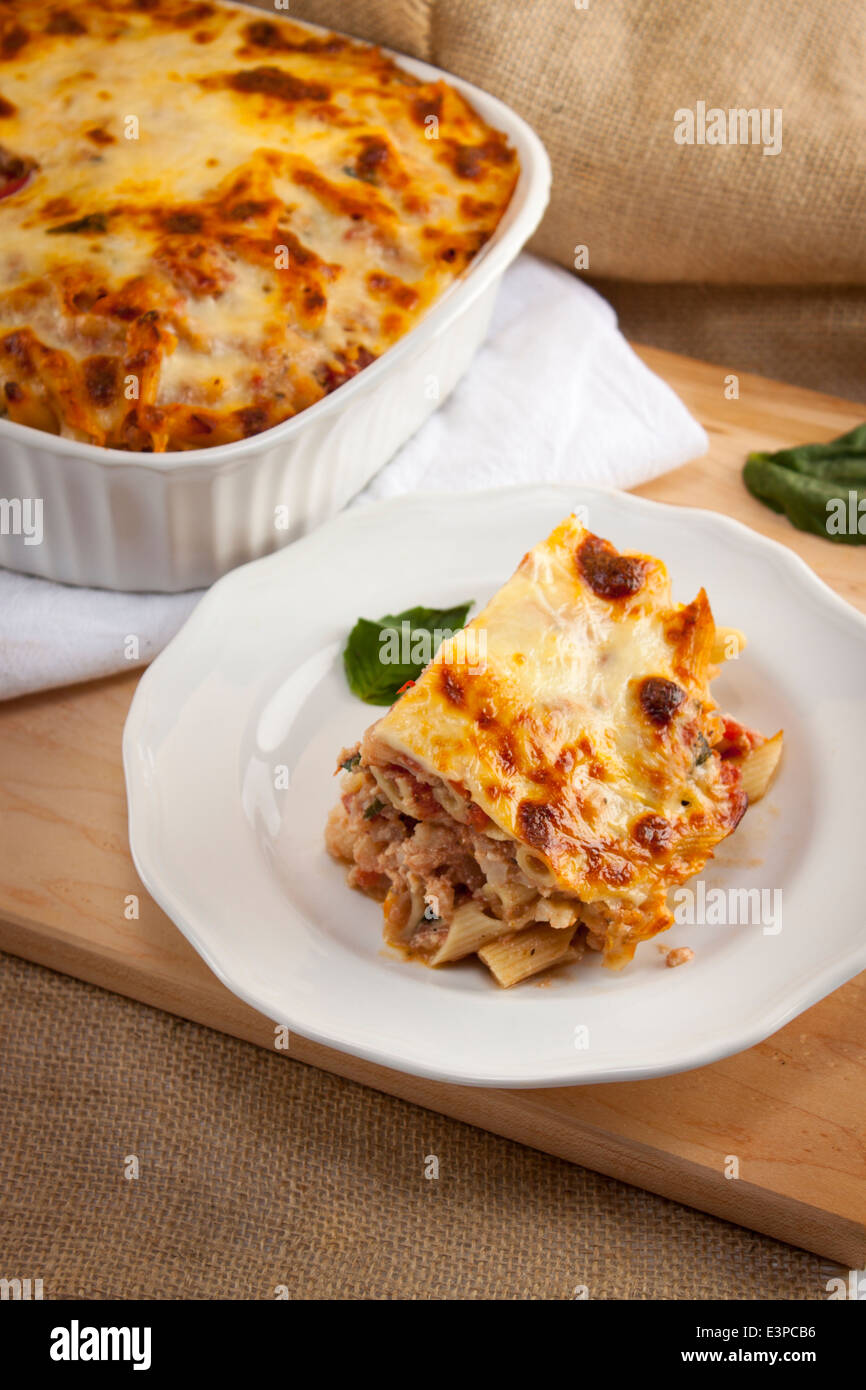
(555, 394)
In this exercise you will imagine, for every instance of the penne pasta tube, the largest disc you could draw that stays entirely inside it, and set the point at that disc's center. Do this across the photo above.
(470, 928)
(727, 644)
(516, 957)
(535, 868)
(758, 766)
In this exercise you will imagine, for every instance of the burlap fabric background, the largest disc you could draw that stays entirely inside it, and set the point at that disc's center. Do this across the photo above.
(258, 1171)
(721, 252)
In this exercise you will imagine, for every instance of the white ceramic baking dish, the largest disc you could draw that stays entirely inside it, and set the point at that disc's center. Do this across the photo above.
(179, 520)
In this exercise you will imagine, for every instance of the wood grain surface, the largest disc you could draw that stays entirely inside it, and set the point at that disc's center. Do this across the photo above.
(790, 1109)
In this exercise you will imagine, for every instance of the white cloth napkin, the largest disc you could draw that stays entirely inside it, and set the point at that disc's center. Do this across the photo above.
(555, 394)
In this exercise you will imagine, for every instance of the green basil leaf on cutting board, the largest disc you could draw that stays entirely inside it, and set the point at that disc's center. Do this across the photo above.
(819, 487)
(381, 656)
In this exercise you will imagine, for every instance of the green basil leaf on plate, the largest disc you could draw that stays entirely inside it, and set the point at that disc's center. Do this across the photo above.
(382, 655)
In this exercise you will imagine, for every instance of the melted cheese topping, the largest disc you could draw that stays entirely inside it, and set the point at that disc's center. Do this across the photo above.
(575, 712)
(209, 219)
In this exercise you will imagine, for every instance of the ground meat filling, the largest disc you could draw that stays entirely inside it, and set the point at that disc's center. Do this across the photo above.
(422, 866)
(403, 846)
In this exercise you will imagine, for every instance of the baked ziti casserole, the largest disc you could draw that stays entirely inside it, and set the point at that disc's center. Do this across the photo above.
(549, 796)
(210, 218)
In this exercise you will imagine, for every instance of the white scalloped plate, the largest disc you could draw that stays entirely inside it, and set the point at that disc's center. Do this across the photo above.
(254, 682)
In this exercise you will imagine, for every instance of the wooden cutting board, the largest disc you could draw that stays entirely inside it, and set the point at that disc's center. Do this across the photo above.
(790, 1110)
